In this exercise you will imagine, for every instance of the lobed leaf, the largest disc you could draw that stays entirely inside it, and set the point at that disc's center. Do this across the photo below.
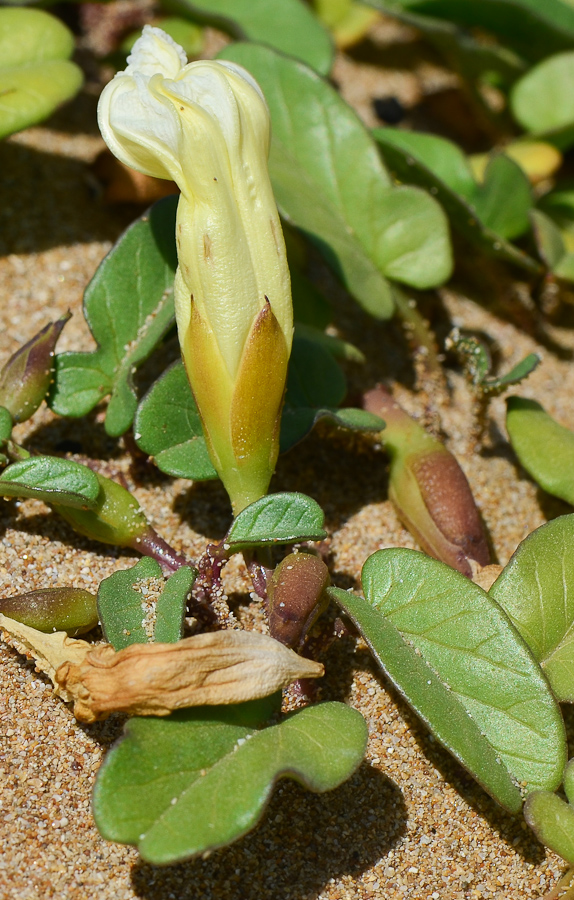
(330, 183)
(120, 603)
(201, 779)
(36, 75)
(52, 480)
(128, 306)
(277, 519)
(453, 654)
(536, 591)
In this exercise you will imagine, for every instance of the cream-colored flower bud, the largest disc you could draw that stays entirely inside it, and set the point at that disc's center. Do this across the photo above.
(206, 126)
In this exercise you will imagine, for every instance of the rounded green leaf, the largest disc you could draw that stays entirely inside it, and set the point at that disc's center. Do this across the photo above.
(330, 182)
(543, 100)
(469, 644)
(536, 591)
(277, 519)
(544, 447)
(168, 427)
(35, 73)
(201, 779)
(52, 480)
(439, 166)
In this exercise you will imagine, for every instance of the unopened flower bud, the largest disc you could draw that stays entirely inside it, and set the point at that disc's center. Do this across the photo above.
(297, 597)
(206, 126)
(429, 489)
(26, 377)
(68, 609)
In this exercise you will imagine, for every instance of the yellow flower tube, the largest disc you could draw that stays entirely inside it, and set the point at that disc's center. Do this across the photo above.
(206, 126)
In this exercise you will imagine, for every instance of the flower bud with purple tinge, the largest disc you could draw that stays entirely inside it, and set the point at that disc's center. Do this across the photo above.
(429, 489)
(25, 379)
(68, 609)
(297, 597)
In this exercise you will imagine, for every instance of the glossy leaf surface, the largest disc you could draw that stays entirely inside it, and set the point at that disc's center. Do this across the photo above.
(52, 480)
(474, 659)
(536, 590)
(277, 519)
(36, 75)
(181, 786)
(544, 447)
(329, 181)
(128, 306)
(289, 26)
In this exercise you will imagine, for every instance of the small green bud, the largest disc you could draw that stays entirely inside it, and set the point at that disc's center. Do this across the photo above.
(297, 597)
(26, 377)
(116, 519)
(429, 489)
(66, 609)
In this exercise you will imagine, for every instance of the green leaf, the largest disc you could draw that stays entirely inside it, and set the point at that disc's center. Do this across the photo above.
(52, 480)
(543, 100)
(171, 605)
(121, 603)
(551, 242)
(504, 178)
(36, 75)
(5, 424)
(277, 519)
(544, 448)
(427, 163)
(288, 26)
(201, 779)
(448, 646)
(536, 591)
(167, 426)
(477, 362)
(330, 183)
(128, 306)
(529, 27)
(552, 821)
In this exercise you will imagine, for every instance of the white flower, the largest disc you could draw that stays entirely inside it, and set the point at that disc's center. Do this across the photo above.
(206, 126)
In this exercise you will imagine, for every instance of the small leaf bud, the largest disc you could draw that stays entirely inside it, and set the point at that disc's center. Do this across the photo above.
(297, 597)
(68, 609)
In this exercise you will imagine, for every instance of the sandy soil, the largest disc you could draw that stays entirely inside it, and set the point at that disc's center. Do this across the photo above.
(410, 823)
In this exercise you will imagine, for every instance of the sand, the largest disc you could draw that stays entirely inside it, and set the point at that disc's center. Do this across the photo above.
(410, 823)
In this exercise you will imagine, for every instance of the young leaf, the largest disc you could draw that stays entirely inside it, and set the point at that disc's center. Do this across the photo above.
(168, 427)
(542, 101)
(171, 605)
(536, 592)
(36, 75)
(52, 480)
(544, 447)
(330, 183)
(128, 306)
(277, 519)
(439, 166)
(551, 242)
(202, 778)
(469, 644)
(289, 26)
(122, 604)
(477, 363)
(503, 178)
(552, 821)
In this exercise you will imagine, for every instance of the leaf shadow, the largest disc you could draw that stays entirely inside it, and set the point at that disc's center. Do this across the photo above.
(35, 187)
(303, 841)
(205, 508)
